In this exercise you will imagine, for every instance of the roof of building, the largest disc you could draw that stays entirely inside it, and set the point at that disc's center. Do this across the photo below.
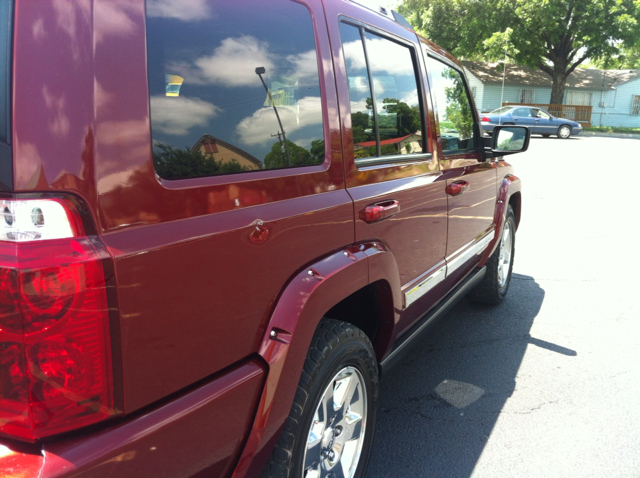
(523, 75)
(385, 141)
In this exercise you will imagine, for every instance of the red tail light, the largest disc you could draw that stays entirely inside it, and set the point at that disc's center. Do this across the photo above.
(484, 119)
(55, 352)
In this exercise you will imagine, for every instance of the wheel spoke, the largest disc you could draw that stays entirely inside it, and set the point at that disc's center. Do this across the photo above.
(312, 457)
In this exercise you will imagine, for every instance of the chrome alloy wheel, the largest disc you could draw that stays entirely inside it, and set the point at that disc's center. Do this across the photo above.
(337, 432)
(564, 132)
(504, 260)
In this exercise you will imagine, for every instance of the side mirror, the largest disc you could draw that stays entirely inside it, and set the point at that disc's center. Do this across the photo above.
(507, 140)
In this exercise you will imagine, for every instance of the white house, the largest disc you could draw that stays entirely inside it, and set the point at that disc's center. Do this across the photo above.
(613, 94)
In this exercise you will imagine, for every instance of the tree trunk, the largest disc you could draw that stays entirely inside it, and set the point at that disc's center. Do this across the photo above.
(557, 89)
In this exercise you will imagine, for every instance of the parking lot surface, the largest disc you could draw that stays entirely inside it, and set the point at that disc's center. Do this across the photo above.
(548, 383)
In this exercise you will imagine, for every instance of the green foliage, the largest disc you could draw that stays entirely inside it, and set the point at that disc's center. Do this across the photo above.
(300, 156)
(458, 111)
(627, 59)
(172, 163)
(552, 35)
(614, 129)
(317, 151)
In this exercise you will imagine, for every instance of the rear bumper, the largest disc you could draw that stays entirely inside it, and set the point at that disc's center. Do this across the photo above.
(201, 432)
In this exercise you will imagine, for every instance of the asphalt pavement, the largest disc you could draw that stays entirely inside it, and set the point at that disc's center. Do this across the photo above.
(548, 383)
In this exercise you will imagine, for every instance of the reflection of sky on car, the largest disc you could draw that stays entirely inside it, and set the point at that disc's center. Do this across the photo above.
(221, 94)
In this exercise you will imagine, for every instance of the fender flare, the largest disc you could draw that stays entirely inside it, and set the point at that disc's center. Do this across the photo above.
(509, 186)
(287, 337)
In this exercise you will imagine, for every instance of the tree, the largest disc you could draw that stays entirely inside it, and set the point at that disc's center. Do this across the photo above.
(627, 59)
(174, 163)
(299, 156)
(555, 36)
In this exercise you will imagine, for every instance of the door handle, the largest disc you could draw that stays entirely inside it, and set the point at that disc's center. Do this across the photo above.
(457, 187)
(379, 211)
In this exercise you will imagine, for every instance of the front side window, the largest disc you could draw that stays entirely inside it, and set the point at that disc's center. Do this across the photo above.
(233, 88)
(453, 105)
(541, 114)
(386, 116)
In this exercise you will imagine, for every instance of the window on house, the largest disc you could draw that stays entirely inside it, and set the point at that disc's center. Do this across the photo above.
(233, 89)
(526, 96)
(578, 98)
(635, 105)
(386, 116)
(473, 92)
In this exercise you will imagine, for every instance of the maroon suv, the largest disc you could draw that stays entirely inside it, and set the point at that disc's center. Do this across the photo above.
(221, 222)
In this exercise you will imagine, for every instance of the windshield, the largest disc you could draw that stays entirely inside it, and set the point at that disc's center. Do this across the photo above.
(5, 57)
(500, 111)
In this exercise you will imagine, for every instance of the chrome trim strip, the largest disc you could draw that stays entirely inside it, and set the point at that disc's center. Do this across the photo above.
(459, 258)
(425, 286)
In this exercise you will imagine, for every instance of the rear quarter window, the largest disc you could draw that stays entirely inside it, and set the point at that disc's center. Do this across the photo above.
(233, 88)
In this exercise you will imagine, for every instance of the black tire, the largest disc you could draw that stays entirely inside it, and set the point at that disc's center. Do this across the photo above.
(339, 353)
(564, 131)
(494, 286)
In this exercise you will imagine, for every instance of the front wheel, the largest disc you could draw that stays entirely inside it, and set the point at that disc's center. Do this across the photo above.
(564, 131)
(329, 430)
(493, 288)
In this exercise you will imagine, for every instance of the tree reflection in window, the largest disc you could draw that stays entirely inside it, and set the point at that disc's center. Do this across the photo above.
(210, 113)
(454, 107)
(386, 114)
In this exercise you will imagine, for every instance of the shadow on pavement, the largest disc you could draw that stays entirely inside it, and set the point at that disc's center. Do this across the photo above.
(440, 404)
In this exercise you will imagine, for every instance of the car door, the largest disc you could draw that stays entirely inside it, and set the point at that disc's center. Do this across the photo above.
(388, 150)
(471, 181)
(525, 117)
(544, 122)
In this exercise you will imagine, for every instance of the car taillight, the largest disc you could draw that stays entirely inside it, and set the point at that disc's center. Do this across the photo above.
(55, 350)
(484, 119)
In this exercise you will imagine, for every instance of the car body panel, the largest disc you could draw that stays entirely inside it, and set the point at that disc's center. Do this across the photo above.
(220, 282)
(153, 443)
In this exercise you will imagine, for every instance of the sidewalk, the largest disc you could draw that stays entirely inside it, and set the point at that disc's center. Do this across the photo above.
(610, 135)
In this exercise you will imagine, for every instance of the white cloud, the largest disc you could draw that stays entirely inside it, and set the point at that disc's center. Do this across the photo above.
(305, 65)
(186, 10)
(234, 62)
(259, 127)
(176, 116)
(115, 18)
(390, 58)
(354, 54)
(59, 122)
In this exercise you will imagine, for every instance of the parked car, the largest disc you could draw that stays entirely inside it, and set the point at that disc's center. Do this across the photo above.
(221, 222)
(537, 120)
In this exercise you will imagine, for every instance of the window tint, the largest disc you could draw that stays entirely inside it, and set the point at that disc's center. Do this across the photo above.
(453, 106)
(386, 117)
(233, 88)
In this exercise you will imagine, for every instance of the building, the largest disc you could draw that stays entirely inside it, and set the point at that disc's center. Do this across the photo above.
(613, 95)
(224, 152)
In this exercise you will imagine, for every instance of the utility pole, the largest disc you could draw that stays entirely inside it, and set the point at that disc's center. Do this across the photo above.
(260, 71)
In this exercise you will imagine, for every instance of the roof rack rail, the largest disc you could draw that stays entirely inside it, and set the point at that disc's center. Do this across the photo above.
(390, 14)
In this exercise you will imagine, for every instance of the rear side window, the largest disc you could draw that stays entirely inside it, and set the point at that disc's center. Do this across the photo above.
(6, 18)
(386, 113)
(453, 105)
(233, 88)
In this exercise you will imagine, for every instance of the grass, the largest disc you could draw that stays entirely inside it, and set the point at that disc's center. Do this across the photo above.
(613, 129)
